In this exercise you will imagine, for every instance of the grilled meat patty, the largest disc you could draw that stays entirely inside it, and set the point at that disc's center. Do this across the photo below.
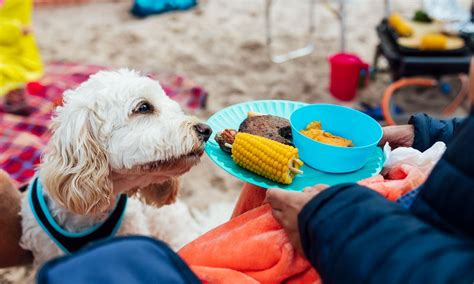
(268, 126)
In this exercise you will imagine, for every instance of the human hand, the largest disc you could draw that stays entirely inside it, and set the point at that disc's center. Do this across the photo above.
(286, 206)
(398, 136)
(27, 30)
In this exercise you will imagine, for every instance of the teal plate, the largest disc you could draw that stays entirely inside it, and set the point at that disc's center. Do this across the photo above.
(232, 116)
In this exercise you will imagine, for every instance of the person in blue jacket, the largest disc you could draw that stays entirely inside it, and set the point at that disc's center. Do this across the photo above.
(351, 234)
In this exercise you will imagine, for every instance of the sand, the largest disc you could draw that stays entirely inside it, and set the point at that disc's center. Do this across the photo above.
(221, 46)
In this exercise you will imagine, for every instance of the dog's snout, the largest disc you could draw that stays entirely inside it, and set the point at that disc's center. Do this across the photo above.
(203, 131)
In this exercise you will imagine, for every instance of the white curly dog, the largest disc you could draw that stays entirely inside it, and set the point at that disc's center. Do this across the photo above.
(117, 133)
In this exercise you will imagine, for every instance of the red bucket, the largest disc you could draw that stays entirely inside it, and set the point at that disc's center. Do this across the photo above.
(344, 78)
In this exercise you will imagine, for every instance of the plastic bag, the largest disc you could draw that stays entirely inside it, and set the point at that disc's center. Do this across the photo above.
(446, 10)
(424, 161)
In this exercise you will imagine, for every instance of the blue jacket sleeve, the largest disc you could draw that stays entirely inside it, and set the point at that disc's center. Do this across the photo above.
(447, 197)
(429, 130)
(351, 234)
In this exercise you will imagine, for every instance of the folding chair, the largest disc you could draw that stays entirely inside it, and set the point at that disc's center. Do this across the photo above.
(339, 12)
(296, 53)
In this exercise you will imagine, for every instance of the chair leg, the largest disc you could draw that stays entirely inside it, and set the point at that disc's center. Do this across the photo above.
(300, 52)
(343, 27)
(378, 53)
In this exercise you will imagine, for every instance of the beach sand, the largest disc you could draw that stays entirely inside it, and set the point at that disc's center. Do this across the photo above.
(221, 46)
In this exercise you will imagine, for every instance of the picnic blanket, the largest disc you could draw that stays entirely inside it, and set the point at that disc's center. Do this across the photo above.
(22, 138)
(254, 248)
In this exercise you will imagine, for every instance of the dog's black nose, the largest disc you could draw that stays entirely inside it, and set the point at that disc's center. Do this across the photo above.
(203, 131)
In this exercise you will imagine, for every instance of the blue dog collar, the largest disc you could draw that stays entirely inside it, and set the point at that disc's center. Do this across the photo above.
(70, 242)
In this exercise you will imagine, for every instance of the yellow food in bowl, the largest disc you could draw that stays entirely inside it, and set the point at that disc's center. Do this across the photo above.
(314, 131)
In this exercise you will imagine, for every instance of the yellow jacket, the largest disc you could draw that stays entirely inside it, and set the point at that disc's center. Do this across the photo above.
(20, 60)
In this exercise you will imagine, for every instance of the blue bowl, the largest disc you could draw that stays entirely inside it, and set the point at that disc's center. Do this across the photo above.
(363, 130)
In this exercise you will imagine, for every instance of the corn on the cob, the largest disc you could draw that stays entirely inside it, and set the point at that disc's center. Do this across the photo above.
(433, 42)
(265, 157)
(401, 26)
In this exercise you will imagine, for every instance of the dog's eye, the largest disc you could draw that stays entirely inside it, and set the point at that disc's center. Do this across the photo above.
(144, 108)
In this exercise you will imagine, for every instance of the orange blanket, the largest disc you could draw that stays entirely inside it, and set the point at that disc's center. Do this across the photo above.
(253, 247)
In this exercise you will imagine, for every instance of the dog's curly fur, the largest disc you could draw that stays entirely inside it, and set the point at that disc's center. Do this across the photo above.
(116, 133)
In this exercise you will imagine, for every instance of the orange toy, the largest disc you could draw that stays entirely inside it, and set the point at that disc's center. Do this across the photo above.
(387, 95)
(449, 110)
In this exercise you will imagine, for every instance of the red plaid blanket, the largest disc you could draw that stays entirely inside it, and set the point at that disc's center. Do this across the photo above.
(22, 138)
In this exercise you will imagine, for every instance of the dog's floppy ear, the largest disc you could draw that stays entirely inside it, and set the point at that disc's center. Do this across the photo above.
(75, 168)
(159, 194)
